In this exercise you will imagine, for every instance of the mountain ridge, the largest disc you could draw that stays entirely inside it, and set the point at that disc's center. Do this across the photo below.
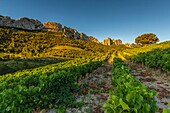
(34, 24)
(30, 24)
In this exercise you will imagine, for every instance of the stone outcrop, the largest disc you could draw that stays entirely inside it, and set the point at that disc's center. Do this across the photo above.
(26, 23)
(6, 21)
(73, 33)
(110, 41)
(117, 42)
(107, 41)
(52, 26)
(70, 32)
(93, 39)
(83, 36)
(23, 23)
(32, 24)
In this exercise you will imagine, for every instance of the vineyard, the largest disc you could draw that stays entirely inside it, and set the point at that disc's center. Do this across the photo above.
(38, 88)
(151, 65)
(20, 50)
(156, 58)
(129, 94)
(136, 51)
(45, 72)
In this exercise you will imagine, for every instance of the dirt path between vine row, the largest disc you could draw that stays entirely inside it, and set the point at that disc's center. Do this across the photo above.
(96, 85)
(94, 90)
(156, 80)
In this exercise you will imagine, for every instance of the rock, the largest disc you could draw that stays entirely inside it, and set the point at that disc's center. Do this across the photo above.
(43, 111)
(23, 23)
(68, 111)
(70, 33)
(32, 24)
(73, 33)
(83, 36)
(52, 26)
(117, 42)
(110, 41)
(93, 39)
(107, 41)
(86, 109)
(6, 21)
(51, 111)
(29, 24)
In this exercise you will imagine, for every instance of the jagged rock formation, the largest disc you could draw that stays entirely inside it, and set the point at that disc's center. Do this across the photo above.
(26, 23)
(23, 23)
(84, 36)
(70, 32)
(52, 26)
(93, 39)
(6, 21)
(107, 41)
(117, 42)
(110, 41)
(31, 24)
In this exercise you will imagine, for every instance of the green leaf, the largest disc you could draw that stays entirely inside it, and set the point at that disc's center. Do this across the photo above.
(60, 109)
(136, 111)
(169, 104)
(123, 104)
(129, 97)
(165, 110)
(147, 107)
(21, 101)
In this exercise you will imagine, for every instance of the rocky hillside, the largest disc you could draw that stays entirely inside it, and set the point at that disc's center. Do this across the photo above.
(42, 43)
(93, 39)
(32, 24)
(110, 41)
(23, 23)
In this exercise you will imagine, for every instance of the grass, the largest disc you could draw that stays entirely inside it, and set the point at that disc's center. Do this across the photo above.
(67, 47)
(136, 51)
(11, 66)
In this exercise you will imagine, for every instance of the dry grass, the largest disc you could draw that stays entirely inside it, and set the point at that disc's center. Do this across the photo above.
(67, 47)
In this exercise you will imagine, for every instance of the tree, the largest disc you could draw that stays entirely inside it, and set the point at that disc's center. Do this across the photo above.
(145, 39)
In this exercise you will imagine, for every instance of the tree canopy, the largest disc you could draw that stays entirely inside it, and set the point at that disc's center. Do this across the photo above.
(145, 39)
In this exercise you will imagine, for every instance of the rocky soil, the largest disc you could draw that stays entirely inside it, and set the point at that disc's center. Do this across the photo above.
(96, 85)
(95, 91)
(154, 79)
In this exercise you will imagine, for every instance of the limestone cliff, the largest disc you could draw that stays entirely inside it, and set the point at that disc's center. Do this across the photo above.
(23, 23)
(32, 24)
(93, 39)
(52, 26)
(109, 41)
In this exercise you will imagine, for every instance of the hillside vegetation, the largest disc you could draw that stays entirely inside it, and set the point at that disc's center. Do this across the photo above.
(40, 69)
(43, 70)
(136, 51)
(39, 43)
(154, 56)
(23, 49)
(129, 94)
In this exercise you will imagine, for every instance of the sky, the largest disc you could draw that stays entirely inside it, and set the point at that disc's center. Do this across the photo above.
(117, 19)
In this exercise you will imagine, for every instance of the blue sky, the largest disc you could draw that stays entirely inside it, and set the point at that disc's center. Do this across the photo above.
(118, 19)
